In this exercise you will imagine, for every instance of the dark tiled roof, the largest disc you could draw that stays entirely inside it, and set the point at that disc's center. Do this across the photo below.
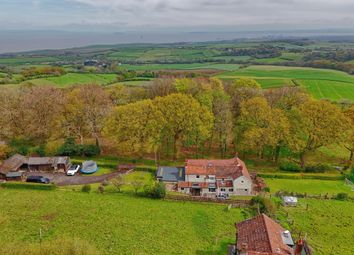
(170, 174)
(262, 235)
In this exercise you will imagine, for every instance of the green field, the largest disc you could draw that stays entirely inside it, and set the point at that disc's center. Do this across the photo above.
(328, 225)
(321, 83)
(333, 90)
(116, 223)
(194, 66)
(26, 60)
(75, 78)
(309, 186)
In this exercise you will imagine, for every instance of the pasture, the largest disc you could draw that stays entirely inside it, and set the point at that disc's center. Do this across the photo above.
(116, 223)
(320, 83)
(309, 186)
(328, 225)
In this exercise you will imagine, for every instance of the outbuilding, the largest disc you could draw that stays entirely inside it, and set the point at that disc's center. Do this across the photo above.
(289, 201)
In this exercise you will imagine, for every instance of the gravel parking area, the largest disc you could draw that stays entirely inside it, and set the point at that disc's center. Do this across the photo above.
(61, 179)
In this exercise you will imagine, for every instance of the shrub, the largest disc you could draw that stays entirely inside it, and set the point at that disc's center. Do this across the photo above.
(342, 196)
(105, 183)
(90, 150)
(157, 190)
(319, 168)
(101, 189)
(266, 189)
(86, 188)
(290, 167)
(70, 148)
(264, 205)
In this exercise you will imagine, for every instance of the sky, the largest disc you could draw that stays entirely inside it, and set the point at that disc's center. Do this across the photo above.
(175, 15)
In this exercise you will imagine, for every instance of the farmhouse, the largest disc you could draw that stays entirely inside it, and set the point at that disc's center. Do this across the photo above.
(208, 178)
(18, 164)
(261, 235)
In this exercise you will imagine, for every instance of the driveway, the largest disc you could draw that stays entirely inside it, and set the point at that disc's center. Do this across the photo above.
(61, 179)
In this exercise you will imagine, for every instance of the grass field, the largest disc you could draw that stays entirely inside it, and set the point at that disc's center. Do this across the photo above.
(75, 78)
(334, 90)
(26, 60)
(309, 186)
(328, 224)
(321, 83)
(194, 66)
(116, 223)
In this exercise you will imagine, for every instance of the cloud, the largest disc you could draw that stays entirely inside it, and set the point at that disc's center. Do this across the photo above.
(185, 13)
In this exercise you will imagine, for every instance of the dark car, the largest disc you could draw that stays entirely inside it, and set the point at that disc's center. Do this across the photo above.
(38, 179)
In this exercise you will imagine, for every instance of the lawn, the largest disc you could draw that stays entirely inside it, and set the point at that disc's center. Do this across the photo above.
(309, 186)
(328, 225)
(116, 223)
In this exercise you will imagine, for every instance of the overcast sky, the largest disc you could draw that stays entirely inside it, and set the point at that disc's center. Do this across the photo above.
(125, 15)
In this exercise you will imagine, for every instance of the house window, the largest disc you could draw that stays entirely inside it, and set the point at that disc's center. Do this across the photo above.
(246, 189)
(182, 188)
(242, 181)
(231, 190)
(211, 189)
(197, 176)
(222, 189)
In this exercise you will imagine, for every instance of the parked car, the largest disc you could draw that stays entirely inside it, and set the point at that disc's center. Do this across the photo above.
(73, 169)
(38, 179)
(222, 196)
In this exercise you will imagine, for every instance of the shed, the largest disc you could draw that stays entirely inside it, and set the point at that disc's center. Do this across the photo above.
(170, 174)
(14, 176)
(289, 201)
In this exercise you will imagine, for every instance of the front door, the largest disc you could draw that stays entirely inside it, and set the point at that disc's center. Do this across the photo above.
(195, 192)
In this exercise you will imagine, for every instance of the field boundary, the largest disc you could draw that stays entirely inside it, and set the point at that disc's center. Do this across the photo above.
(233, 203)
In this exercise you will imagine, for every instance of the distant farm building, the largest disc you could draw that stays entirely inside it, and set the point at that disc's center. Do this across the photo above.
(17, 164)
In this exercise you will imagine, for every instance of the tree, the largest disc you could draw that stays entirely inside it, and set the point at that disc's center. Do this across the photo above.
(349, 142)
(222, 131)
(316, 124)
(137, 183)
(246, 83)
(85, 111)
(260, 126)
(185, 119)
(118, 182)
(136, 127)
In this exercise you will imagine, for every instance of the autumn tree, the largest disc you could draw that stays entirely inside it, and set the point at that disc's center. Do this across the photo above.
(185, 119)
(315, 124)
(260, 126)
(349, 141)
(86, 109)
(136, 127)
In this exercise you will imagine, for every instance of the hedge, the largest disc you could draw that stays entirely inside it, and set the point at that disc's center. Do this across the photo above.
(24, 185)
(297, 176)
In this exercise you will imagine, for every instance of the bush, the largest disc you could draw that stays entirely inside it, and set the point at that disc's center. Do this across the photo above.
(90, 150)
(319, 168)
(266, 189)
(101, 189)
(158, 190)
(70, 148)
(264, 205)
(290, 167)
(342, 196)
(86, 188)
